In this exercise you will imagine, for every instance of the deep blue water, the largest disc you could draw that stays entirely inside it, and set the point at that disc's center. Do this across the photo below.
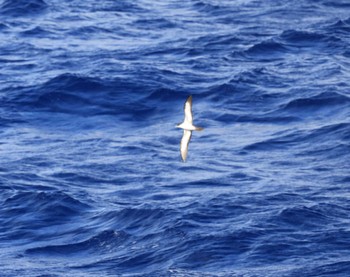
(91, 179)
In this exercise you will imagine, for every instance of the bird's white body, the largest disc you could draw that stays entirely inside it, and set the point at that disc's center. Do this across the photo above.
(188, 127)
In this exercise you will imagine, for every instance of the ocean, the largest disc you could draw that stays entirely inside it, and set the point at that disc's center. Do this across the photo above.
(92, 182)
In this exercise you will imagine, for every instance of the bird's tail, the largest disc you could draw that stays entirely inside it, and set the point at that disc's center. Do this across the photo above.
(199, 129)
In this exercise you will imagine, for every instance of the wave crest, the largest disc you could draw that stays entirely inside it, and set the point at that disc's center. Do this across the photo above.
(23, 7)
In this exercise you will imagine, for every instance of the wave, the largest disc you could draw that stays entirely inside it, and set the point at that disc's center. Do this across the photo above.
(10, 119)
(46, 203)
(102, 243)
(87, 31)
(304, 217)
(336, 268)
(249, 86)
(92, 96)
(75, 94)
(313, 40)
(305, 38)
(153, 24)
(215, 42)
(324, 100)
(269, 50)
(260, 118)
(294, 110)
(144, 221)
(71, 82)
(122, 6)
(164, 94)
(36, 32)
(3, 26)
(210, 9)
(339, 131)
(341, 26)
(39, 210)
(340, 4)
(291, 42)
(23, 7)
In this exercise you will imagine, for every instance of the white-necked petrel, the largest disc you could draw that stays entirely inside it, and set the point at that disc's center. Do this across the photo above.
(188, 127)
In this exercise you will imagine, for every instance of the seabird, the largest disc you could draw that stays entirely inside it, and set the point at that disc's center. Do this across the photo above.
(188, 127)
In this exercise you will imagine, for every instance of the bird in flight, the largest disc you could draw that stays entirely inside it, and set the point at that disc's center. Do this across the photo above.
(188, 127)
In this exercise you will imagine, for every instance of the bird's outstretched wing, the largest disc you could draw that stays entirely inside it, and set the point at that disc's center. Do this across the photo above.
(184, 144)
(188, 110)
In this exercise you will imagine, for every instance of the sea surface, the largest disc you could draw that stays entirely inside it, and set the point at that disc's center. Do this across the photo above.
(91, 179)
